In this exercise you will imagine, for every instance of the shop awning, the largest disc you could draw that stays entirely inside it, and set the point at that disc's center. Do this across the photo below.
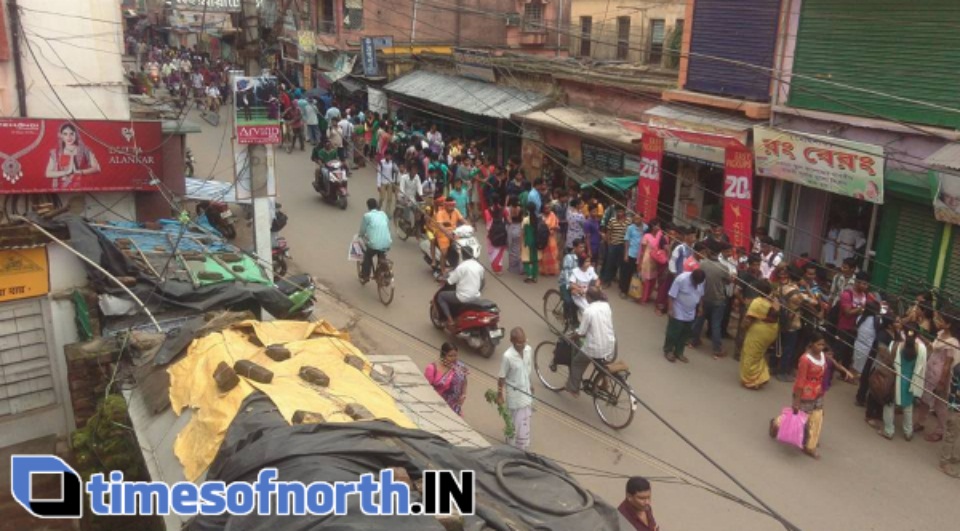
(947, 157)
(349, 85)
(619, 184)
(474, 97)
(692, 119)
(583, 122)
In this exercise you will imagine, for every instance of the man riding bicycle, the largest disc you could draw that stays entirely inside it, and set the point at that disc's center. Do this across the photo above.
(375, 232)
(596, 327)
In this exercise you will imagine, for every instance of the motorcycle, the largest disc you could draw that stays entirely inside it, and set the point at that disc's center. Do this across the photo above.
(220, 217)
(337, 175)
(281, 255)
(463, 236)
(477, 322)
(189, 162)
(300, 289)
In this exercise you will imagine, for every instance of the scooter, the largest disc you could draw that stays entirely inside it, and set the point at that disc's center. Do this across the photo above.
(220, 217)
(337, 176)
(281, 255)
(463, 236)
(304, 303)
(477, 322)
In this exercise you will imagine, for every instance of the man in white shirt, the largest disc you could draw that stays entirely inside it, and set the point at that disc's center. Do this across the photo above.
(312, 119)
(516, 373)
(410, 189)
(596, 327)
(346, 131)
(770, 256)
(387, 174)
(468, 279)
(213, 98)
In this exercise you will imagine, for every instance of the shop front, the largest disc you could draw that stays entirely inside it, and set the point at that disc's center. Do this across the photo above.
(823, 196)
(565, 145)
(465, 109)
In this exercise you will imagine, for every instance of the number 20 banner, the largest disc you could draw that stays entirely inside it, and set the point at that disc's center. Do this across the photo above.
(648, 185)
(737, 196)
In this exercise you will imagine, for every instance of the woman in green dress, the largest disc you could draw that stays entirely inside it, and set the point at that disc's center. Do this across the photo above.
(528, 253)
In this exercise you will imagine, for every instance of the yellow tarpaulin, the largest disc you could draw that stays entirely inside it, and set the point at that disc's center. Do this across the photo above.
(192, 384)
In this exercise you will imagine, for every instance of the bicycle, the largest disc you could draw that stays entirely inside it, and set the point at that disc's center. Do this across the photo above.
(613, 398)
(383, 275)
(556, 315)
(405, 228)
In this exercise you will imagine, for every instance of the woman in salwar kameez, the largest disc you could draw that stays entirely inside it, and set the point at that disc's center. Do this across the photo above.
(550, 257)
(528, 252)
(515, 239)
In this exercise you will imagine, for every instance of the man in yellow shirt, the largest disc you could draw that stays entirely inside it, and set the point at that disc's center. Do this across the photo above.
(445, 220)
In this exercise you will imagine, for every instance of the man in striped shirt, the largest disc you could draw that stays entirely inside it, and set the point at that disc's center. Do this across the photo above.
(614, 235)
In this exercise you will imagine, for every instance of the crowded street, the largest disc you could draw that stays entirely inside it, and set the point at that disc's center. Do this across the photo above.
(702, 399)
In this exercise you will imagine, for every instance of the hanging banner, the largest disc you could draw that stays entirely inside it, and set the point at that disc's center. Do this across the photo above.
(839, 166)
(44, 156)
(23, 273)
(257, 110)
(738, 196)
(648, 186)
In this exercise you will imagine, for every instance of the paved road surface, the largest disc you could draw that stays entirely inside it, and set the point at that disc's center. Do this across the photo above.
(862, 482)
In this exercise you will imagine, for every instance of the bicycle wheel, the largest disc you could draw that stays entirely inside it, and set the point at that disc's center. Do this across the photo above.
(385, 284)
(613, 400)
(553, 310)
(553, 377)
(403, 227)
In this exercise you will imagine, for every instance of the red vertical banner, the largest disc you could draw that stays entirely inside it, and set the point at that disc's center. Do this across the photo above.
(648, 185)
(738, 195)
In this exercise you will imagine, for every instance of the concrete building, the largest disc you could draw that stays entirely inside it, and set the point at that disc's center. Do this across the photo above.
(636, 31)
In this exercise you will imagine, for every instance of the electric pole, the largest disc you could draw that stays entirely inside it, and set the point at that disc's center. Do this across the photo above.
(258, 167)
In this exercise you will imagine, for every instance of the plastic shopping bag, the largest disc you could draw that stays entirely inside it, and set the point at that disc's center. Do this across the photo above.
(357, 247)
(792, 427)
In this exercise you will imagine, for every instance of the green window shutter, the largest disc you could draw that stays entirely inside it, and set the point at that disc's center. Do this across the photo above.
(951, 277)
(907, 49)
(907, 253)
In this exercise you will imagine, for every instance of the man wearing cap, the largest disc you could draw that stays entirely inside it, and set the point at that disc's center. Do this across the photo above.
(714, 297)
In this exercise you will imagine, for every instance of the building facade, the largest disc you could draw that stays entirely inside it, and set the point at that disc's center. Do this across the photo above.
(632, 31)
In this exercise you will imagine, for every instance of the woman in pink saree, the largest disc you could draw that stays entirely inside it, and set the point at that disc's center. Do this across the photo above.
(449, 377)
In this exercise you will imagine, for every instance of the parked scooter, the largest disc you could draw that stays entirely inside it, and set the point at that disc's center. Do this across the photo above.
(281, 255)
(337, 176)
(301, 289)
(477, 322)
(220, 217)
(463, 236)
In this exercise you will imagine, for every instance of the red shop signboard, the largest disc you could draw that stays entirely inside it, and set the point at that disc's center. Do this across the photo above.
(648, 186)
(738, 196)
(52, 156)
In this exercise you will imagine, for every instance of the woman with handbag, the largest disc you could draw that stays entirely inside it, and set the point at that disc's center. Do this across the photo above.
(653, 259)
(808, 391)
(449, 377)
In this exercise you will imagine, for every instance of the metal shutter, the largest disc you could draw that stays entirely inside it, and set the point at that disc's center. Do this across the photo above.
(916, 240)
(745, 31)
(906, 49)
(26, 379)
(951, 277)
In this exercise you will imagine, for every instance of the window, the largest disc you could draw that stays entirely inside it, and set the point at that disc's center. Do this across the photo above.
(657, 35)
(326, 23)
(586, 28)
(353, 14)
(623, 37)
(533, 16)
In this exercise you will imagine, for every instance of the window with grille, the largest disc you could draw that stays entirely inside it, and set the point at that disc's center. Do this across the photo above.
(658, 30)
(353, 14)
(586, 28)
(623, 37)
(533, 16)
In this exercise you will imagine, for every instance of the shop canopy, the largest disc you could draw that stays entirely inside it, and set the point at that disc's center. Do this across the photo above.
(618, 184)
(585, 123)
(474, 97)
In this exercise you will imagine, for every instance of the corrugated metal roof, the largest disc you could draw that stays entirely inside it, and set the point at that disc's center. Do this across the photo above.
(583, 122)
(474, 97)
(946, 157)
(697, 116)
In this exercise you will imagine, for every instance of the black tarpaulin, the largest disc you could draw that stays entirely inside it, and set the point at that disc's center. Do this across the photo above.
(259, 438)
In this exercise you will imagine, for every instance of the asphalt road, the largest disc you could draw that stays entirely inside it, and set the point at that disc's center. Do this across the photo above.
(862, 482)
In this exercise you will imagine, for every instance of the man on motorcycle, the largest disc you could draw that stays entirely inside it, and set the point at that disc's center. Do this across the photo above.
(321, 156)
(446, 219)
(596, 327)
(468, 279)
(375, 232)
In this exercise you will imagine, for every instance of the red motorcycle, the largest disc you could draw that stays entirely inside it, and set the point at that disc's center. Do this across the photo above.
(477, 322)
(220, 217)
(281, 255)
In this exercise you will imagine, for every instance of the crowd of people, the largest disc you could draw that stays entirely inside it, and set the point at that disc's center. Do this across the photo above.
(191, 77)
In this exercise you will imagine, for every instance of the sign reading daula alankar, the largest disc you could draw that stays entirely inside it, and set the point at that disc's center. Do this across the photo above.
(43, 156)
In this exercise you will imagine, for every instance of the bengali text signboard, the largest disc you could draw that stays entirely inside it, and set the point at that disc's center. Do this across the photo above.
(23, 273)
(44, 156)
(840, 166)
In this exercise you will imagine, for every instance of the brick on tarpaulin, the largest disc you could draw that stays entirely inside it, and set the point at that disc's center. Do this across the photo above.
(278, 352)
(358, 412)
(354, 361)
(251, 370)
(225, 377)
(307, 417)
(315, 376)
